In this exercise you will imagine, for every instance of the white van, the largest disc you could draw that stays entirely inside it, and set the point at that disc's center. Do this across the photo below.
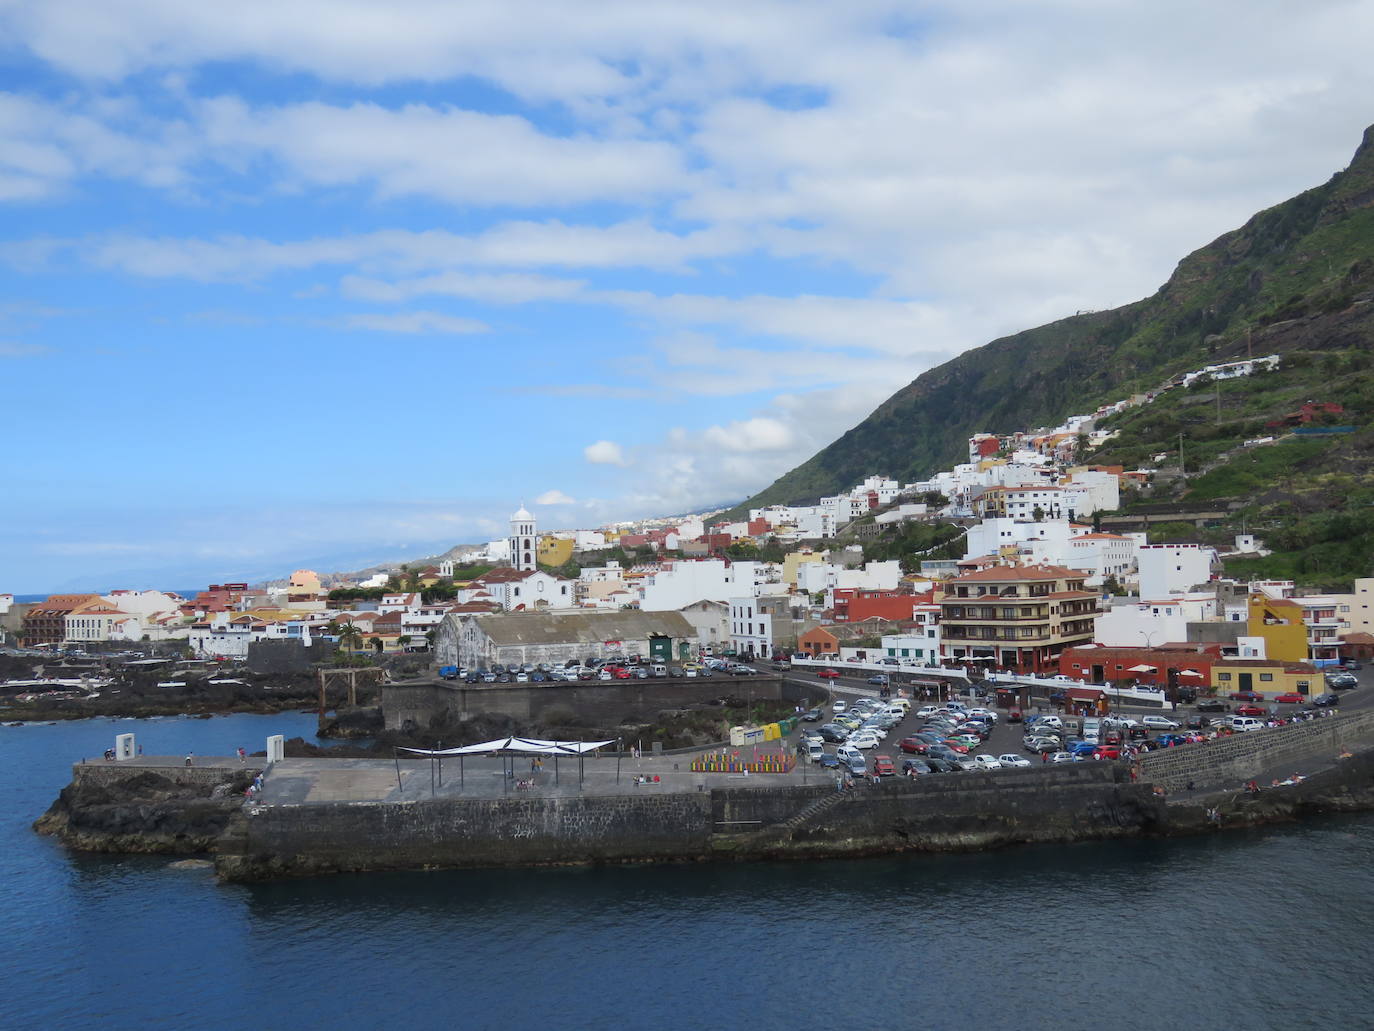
(814, 749)
(902, 703)
(851, 757)
(658, 671)
(1240, 724)
(897, 712)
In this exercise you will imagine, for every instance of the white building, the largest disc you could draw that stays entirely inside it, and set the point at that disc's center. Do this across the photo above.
(1169, 569)
(1148, 624)
(751, 629)
(515, 589)
(679, 584)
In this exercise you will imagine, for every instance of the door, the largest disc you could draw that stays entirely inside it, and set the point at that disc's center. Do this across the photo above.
(1247, 681)
(1099, 674)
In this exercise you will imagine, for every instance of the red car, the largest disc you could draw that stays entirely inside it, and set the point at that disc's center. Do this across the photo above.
(882, 766)
(1291, 698)
(622, 674)
(829, 674)
(955, 746)
(1249, 710)
(1107, 752)
(912, 745)
(1246, 696)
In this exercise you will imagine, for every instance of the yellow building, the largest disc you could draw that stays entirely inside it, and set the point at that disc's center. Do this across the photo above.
(1280, 622)
(555, 551)
(1267, 677)
(792, 563)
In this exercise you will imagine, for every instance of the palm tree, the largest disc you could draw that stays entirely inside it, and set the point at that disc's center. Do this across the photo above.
(349, 636)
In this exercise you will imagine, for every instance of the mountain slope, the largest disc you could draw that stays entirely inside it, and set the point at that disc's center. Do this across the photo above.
(1294, 277)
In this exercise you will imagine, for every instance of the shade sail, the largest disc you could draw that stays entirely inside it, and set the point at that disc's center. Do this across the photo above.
(518, 745)
(1142, 668)
(1189, 673)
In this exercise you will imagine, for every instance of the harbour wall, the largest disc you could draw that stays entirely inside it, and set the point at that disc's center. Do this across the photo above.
(408, 706)
(928, 814)
(1231, 761)
(206, 776)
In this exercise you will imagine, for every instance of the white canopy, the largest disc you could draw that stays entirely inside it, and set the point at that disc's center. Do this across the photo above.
(1189, 673)
(1142, 668)
(523, 745)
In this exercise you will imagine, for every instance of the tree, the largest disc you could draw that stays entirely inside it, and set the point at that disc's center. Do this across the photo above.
(377, 644)
(349, 636)
(1038, 515)
(403, 642)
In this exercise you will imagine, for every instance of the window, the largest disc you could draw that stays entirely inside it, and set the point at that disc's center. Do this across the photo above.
(1223, 676)
(1266, 677)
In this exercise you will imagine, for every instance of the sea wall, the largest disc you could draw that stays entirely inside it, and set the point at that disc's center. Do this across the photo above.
(274, 841)
(410, 705)
(929, 814)
(112, 774)
(1231, 761)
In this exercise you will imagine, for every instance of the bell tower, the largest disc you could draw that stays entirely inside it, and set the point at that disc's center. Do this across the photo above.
(524, 541)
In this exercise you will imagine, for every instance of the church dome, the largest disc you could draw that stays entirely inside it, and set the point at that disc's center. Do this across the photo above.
(522, 514)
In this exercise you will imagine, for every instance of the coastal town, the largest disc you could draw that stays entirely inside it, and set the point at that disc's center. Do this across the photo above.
(1004, 564)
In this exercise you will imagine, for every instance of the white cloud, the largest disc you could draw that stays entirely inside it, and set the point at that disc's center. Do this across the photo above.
(604, 452)
(13, 349)
(414, 322)
(554, 497)
(751, 435)
(495, 289)
(454, 155)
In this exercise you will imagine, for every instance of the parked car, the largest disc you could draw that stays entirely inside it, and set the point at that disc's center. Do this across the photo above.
(1011, 759)
(1159, 723)
(917, 767)
(812, 715)
(833, 733)
(1290, 698)
(986, 762)
(1246, 696)
(1106, 752)
(829, 761)
(1343, 681)
(1324, 700)
(883, 767)
(1241, 724)
(1249, 710)
(839, 705)
(828, 674)
(1211, 705)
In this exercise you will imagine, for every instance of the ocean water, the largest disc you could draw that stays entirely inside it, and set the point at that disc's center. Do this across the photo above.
(1247, 930)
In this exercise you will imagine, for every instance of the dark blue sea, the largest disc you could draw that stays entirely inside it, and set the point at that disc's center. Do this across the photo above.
(1249, 930)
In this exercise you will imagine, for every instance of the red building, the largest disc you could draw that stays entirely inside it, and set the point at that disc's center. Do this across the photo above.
(1098, 665)
(853, 604)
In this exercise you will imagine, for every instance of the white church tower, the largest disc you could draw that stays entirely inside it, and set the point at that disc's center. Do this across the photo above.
(524, 542)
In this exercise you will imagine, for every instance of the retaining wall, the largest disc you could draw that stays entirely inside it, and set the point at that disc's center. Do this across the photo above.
(599, 703)
(105, 774)
(1233, 760)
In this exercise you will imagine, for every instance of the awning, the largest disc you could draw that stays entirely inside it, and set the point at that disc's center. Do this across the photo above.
(1084, 694)
(1142, 668)
(518, 745)
(1189, 673)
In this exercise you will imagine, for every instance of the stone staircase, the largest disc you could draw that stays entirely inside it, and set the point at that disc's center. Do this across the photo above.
(807, 813)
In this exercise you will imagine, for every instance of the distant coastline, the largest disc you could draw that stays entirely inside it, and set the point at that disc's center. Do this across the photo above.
(29, 599)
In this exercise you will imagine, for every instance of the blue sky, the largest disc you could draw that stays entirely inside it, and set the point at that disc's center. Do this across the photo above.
(330, 283)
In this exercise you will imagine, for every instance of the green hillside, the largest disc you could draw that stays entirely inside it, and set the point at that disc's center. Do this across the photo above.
(1296, 279)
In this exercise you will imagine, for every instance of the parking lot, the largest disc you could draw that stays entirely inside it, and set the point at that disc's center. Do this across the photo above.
(1006, 736)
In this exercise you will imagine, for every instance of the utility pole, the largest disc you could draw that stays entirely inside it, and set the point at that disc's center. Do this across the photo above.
(1218, 385)
(1181, 468)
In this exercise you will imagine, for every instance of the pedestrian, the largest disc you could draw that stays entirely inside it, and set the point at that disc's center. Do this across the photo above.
(188, 758)
(140, 749)
(243, 757)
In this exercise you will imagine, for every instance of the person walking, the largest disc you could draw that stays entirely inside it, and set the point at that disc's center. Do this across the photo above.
(189, 756)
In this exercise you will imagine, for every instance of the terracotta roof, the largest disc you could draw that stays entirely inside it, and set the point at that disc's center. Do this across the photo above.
(1001, 573)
